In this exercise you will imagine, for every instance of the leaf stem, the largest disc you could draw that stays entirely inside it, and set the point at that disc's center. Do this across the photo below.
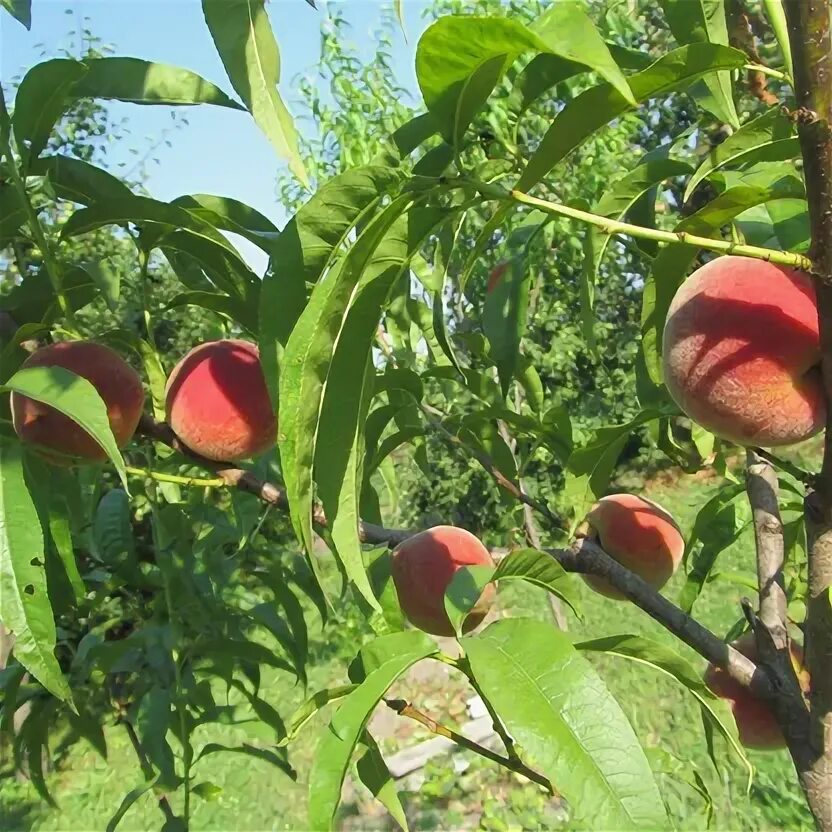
(767, 70)
(35, 226)
(610, 226)
(403, 708)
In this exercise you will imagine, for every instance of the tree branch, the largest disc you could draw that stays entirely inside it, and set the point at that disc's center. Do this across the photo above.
(610, 226)
(403, 708)
(811, 46)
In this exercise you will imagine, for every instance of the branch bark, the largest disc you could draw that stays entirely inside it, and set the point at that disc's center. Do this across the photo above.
(811, 46)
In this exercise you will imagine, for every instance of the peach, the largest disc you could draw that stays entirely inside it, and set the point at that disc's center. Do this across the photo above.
(217, 402)
(756, 723)
(640, 535)
(117, 383)
(741, 352)
(496, 276)
(423, 567)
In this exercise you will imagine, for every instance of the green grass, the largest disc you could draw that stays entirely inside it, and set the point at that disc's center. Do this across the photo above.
(255, 796)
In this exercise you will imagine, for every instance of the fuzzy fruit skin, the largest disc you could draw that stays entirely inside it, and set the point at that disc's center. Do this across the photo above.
(217, 402)
(496, 276)
(117, 383)
(640, 535)
(741, 352)
(756, 723)
(423, 567)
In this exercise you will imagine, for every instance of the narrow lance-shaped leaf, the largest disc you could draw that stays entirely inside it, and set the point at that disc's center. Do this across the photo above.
(246, 45)
(552, 703)
(20, 10)
(146, 82)
(40, 101)
(78, 181)
(76, 398)
(24, 604)
(340, 737)
(703, 21)
(374, 774)
(306, 363)
(592, 109)
(305, 247)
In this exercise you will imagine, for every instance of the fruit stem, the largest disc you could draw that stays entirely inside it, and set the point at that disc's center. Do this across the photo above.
(403, 708)
(35, 226)
(611, 226)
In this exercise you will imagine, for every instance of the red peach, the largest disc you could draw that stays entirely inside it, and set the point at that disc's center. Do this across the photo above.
(114, 379)
(217, 402)
(741, 352)
(756, 723)
(640, 535)
(496, 276)
(422, 569)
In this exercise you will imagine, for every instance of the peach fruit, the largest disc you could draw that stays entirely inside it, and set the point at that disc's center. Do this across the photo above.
(423, 567)
(741, 352)
(756, 723)
(217, 402)
(117, 383)
(640, 535)
(496, 276)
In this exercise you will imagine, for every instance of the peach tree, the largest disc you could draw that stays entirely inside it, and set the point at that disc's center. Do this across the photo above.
(141, 505)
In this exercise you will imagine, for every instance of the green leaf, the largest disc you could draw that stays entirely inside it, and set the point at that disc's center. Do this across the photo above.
(716, 527)
(12, 211)
(78, 181)
(335, 747)
(20, 10)
(303, 250)
(703, 21)
(40, 101)
(776, 14)
(543, 570)
(206, 790)
(592, 109)
(24, 603)
(307, 362)
(311, 706)
(504, 319)
(107, 278)
(459, 59)
(248, 50)
(231, 308)
(276, 759)
(781, 225)
(232, 215)
(540, 74)
(146, 82)
(552, 702)
(464, 591)
(374, 774)
(646, 651)
(772, 126)
(127, 801)
(76, 398)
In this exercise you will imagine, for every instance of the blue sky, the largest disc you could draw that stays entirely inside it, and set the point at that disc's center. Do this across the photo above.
(221, 151)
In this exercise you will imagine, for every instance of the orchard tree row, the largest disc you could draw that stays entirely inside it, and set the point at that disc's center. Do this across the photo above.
(139, 576)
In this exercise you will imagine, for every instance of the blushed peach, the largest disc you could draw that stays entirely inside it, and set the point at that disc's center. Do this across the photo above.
(217, 402)
(114, 379)
(423, 567)
(640, 535)
(741, 352)
(756, 724)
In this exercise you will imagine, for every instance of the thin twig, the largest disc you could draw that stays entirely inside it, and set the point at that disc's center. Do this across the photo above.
(194, 482)
(610, 226)
(403, 708)
(147, 768)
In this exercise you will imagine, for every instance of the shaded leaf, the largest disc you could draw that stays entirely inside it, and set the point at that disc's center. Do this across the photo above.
(127, 801)
(374, 774)
(78, 181)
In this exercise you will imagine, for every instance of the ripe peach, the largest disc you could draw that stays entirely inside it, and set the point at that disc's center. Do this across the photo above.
(496, 276)
(640, 535)
(756, 723)
(217, 402)
(423, 567)
(117, 383)
(741, 352)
